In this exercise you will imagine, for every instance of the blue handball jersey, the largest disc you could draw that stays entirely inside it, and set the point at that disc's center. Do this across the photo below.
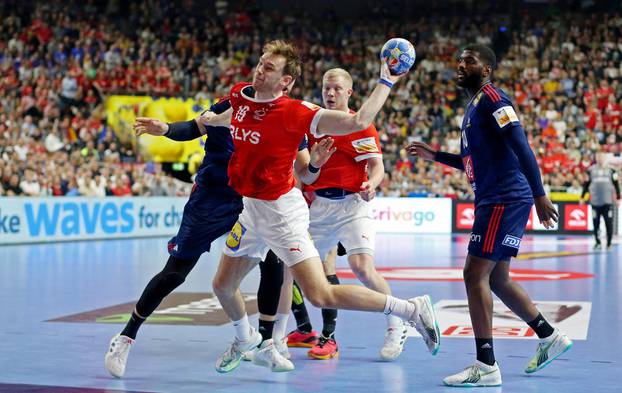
(491, 166)
(212, 172)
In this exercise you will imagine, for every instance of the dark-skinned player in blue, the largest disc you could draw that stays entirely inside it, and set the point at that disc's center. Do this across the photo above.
(211, 211)
(504, 175)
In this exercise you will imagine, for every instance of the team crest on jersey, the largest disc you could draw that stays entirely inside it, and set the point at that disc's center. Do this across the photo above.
(505, 115)
(365, 145)
(235, 236)
(241, 113)
(260, 113)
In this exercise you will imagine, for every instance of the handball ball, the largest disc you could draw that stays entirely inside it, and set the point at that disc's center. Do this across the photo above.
(400, 55)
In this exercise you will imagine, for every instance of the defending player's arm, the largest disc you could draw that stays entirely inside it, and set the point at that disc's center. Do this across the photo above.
(308, 164)
(182, 130)
(509, 126)
(425, 151)
(334, 122)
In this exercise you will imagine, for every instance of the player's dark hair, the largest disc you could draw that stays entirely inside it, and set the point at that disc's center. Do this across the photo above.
(486, 55)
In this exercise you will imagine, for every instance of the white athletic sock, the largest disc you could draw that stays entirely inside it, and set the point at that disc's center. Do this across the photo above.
(280, 326)
(393, 321)
(398, 307)
(242, 329)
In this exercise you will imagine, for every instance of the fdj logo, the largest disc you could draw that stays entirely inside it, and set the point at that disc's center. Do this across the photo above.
(511, 241)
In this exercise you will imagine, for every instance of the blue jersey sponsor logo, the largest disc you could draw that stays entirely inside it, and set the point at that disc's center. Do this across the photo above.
(511, 241)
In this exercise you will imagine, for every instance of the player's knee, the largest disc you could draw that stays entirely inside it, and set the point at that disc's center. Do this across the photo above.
(221, 285)
(473, 276)
(321, 297)
(364, 272)
(170, 281)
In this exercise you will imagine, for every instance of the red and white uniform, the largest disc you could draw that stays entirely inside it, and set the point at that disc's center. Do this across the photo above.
(266, 135)
(348, 219)
(347, 167)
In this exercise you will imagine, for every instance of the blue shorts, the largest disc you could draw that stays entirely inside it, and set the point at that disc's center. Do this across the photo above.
(498, 230)
(206, 217)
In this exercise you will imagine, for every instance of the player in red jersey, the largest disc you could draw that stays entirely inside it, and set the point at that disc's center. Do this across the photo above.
(267, 127)
(340, 212)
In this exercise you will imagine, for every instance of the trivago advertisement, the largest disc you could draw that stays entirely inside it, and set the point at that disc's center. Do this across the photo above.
(412, 215)
(33, 220)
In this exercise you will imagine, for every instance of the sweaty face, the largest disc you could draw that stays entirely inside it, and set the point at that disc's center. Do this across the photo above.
(469, 73)
(336, 92)
(268, 74)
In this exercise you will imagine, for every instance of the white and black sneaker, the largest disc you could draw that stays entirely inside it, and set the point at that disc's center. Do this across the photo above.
(424, 321)
(267, 355)
(116, 357)
(478, 375)
(394, 340)
(549, 349)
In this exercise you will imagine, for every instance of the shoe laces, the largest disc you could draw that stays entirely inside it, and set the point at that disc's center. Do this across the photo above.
(323, 340)
(394, 334)
(234, 348)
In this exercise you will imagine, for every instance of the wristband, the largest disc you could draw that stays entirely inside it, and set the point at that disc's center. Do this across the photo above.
(313, 169)
(385, 82)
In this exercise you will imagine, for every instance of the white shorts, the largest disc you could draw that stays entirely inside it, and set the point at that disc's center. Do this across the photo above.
(281, 225)
(346, 220)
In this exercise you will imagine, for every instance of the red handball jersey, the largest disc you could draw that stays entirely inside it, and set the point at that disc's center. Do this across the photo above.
(347, 167)
(266, 135)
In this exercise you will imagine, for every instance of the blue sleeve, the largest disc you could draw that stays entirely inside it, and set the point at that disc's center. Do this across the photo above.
(453, 160)
(304, 144)
(516, 138)
(499, 110)
(220, 106)
(505, 121)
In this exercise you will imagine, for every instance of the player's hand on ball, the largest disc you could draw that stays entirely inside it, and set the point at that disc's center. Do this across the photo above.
(386, 74)
(367, 191)
(422, 150)
(146, 125)
(321, 152)
(547, 213)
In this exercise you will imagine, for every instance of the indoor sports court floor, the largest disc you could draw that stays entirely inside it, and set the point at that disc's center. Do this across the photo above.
(62, 302)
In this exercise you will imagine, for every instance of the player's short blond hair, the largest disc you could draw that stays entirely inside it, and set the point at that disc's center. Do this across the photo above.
(293, 63)
(335, 72)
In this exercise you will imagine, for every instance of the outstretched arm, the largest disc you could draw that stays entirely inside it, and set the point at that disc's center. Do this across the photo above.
(178, 131)
(425, 151)
(332, 122)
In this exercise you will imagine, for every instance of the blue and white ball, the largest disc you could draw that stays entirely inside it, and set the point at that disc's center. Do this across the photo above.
(400, 55)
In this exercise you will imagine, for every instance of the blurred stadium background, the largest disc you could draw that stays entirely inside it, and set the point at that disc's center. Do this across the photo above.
(75, 74)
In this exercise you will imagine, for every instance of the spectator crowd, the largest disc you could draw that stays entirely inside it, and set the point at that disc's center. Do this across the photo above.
(59, 61)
